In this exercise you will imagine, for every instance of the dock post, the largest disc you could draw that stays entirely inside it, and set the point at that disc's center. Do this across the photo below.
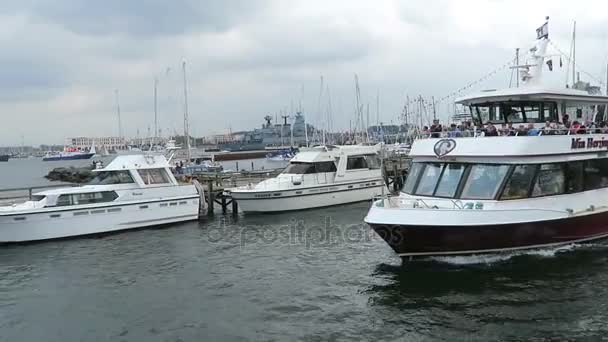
(237, 166)
(395, 179)
(30, 193)
(235, 208)
(211, 200)
(224, 205)
(251, 166)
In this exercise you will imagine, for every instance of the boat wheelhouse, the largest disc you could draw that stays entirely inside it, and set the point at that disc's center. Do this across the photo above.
(492, 194)
(317, 177)
(133, 191)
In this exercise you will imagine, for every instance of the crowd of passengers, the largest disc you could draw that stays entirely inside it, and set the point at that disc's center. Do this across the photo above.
(467, 129)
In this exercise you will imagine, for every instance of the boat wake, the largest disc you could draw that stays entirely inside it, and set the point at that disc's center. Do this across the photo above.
(493, 258)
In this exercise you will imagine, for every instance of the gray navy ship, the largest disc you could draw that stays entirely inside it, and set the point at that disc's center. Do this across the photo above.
(270, 135)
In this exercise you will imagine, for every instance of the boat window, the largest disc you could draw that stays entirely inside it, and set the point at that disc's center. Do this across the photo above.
(323, 167)
(550, 111)
(37, 198)
(514, 113)
(64, 200)
(112, 177)
(373, 162)
(412, 177)
(86, 198)
(450, 178)
(154, 176)
(429, 179)
(518, 184)
(550, 180)
(357, 162)
(300, 168)
(484, 181)
(532, 113)
(575, 177)
(596, 174)
(94, 197)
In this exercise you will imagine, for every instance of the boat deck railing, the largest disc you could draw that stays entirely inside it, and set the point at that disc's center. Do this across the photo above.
(11, 196)
(481, 133)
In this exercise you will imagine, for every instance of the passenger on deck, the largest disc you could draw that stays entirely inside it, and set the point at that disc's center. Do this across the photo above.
(576, 128)
(436, 129)
(521, 130)
(454, 131)
(603, 127)
(490, 130)
(425, 133)
(504, 130)
(512, 130)
(532, 130)
(566, 120)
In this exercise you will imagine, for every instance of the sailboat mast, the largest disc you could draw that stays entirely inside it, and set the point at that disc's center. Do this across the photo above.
(574, 54)
(118, 115)
(302, 112)
(186, 123)
(155, 110)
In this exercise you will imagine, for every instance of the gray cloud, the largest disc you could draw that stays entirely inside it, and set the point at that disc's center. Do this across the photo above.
(146, 18)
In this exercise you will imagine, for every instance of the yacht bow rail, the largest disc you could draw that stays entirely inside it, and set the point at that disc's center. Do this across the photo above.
(10, 196)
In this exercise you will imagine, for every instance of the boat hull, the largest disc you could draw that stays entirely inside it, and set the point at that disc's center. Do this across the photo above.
(427, 240)
(54, 224)
(70, 157)
(321, 198)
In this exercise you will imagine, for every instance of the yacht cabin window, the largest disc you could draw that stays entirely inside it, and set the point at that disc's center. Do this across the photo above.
(112, 177)
(86, 198)
(154, 176)
(518, 184)
(300, 168)
(485, 181)
(37, 198)
(368, 161)
(515, 112)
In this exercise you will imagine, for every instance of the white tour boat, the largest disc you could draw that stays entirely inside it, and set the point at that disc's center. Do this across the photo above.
(502, 193)
(133, 191)
(317, 177)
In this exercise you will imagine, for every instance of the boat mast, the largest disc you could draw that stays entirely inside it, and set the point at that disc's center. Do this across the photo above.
(118, 115)
(186, 123)
(302, 112)
(516, 64)
(574, 54)
(155, 110)
(319, 114)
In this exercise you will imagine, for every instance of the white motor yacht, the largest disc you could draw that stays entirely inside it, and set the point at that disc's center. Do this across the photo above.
(317, 177)
(482, 194)
(133, 191)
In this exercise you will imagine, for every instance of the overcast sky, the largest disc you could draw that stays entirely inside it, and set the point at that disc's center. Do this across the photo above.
(61, 60)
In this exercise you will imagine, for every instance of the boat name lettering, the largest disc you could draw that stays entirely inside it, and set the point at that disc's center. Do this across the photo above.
(580, 143)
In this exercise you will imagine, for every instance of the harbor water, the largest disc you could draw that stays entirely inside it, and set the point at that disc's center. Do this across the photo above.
(317, 275)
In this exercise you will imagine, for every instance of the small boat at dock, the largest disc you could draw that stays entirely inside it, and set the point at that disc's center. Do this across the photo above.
(317, 177)
(133, 191)
(4, 157)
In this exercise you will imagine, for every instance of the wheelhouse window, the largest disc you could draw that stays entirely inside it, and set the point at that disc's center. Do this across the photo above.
(112, 177)
(300, 168)
(356, 162)
(324, 167)
(86, 198)
(37, 198)
(154, 176)
(484, 181)
(516, 112)
(373, 162)
(550, 180)
(450, 178)
(428, 180)
(412, 177)
(518, 184)
(596, 174)
(575, 176)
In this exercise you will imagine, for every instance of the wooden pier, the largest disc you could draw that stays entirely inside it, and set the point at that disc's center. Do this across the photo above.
(394, 171)
(215, 184)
